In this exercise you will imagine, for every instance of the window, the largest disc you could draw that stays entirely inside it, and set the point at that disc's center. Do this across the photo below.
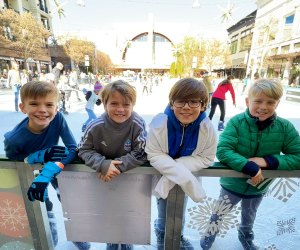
(289, 19)
(273, 51)
(285, 49)
(233, 47)
(142, 38)
(6, 4)
(246, 42)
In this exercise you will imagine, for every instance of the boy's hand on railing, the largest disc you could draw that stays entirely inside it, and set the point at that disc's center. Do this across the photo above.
(261, 162)
(258, 178)
(112, 171)
(38, 188)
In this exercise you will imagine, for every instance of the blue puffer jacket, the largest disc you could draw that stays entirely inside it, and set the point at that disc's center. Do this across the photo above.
(242, 139)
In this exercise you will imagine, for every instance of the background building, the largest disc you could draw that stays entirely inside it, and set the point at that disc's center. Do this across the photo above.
(240, 38)
(275, 50)
(41, 11)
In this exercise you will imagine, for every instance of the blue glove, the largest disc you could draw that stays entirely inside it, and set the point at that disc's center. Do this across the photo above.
(38, 188)
(55, 153)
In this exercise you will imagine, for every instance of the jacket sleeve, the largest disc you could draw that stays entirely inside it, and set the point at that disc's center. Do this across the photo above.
(231, 90)
(89, 155)
(290, 159)
(227, 147)
(69, 142)
(11, 150)
(88, 95)
(172, 171)
(137, 155)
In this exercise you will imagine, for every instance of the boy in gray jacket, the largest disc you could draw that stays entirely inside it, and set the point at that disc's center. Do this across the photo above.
(115, 142)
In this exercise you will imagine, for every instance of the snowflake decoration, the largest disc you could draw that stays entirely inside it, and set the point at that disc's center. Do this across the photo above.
(284, 188)
(271, 247)
(286, 226)
(12, 217)
(223, 215)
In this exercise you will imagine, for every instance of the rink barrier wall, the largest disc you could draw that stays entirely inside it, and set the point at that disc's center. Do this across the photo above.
(37, 215)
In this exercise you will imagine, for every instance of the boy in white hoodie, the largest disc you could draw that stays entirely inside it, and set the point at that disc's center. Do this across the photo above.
(181, 141)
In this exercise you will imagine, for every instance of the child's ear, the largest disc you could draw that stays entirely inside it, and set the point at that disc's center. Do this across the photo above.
(22, 108)
(247, 102)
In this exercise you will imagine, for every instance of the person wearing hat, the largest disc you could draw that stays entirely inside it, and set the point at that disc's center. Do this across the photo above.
(92, 98)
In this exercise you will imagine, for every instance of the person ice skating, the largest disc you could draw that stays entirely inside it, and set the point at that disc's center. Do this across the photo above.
(218, 99)
(92, 98)
(252, 141)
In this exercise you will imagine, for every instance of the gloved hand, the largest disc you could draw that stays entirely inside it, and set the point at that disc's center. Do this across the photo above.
(55, 153)
(38, 188)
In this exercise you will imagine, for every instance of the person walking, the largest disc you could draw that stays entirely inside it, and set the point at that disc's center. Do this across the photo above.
(74, 84)
(247, 81)
(57, 71)
(14, 81)
(218, 99)
(145, 85)
(208, 84)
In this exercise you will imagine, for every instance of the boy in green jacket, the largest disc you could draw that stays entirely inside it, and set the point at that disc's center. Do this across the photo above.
(254, 140)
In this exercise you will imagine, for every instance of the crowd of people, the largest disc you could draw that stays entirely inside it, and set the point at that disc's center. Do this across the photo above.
(181, 141)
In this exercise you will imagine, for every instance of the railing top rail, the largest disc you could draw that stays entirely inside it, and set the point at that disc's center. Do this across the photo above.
(217, 170)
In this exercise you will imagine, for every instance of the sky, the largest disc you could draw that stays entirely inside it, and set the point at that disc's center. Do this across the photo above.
(98, 15)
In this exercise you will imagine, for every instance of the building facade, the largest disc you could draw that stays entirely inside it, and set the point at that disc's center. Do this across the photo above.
(41, 11)
(275, 49)
(240, 38)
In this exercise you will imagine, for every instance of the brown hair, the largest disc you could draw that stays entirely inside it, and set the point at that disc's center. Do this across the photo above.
(124, 88)
(36, 89)
(227, 80)
(188, 88)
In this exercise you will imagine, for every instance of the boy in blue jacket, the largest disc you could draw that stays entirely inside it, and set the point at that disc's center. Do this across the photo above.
(253, 140)
(35, 140)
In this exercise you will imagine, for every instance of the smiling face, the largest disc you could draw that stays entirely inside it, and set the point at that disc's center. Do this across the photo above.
(186, 114)
(40, 111)
(261, 106)
(118, 108)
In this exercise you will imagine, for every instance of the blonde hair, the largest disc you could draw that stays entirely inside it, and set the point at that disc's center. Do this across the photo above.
(124, 88)
(271, 88)
(37, 89)
(188, 88)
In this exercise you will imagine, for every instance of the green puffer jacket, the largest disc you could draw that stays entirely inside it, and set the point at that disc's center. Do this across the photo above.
(241, 140)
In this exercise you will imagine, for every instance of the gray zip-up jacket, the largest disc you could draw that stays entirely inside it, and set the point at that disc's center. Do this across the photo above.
(106, 140)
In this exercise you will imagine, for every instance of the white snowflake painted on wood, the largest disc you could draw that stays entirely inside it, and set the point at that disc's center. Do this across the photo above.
(286, 226)
(283, 188)
(225, 216)
(271, 247)
(12, 217)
